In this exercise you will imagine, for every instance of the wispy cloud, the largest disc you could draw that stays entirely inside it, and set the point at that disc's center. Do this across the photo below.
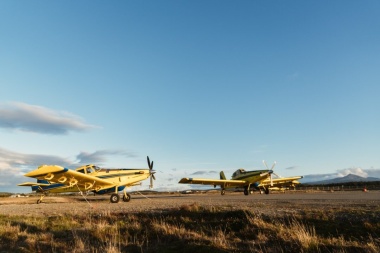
(38, 119)
(291, 168)
(100, 156)
(204, 172)
(294, 76)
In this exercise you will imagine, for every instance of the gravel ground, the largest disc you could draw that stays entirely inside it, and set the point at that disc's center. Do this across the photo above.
(272, 204)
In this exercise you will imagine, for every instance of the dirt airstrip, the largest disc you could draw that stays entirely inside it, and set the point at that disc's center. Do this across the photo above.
(275, 204)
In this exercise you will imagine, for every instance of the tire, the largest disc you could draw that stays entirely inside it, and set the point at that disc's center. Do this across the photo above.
(114, 198)
(127, 198)
(267, 191)
(246, 192)
(223, 192)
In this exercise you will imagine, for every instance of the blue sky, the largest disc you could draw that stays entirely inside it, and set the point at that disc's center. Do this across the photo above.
(199, 86)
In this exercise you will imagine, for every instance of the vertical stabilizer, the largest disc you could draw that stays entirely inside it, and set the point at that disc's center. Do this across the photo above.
(222, 176)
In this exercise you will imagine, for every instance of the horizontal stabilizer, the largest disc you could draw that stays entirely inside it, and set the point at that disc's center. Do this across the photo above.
(32, 184)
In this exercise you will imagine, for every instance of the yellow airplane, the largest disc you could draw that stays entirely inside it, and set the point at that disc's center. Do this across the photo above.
(57, 179)
(240, 179)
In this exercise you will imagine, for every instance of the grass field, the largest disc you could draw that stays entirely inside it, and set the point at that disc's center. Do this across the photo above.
(194, 228)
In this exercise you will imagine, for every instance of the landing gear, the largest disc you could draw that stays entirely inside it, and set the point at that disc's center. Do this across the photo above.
(126, 197)
(266, 190)
(41, 198)
(223, 192)
(246, 191)
(114, 198)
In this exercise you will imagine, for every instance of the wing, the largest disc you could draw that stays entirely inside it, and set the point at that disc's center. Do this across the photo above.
(281, 181)
(221, 182)
(58, 174)
(32, 184)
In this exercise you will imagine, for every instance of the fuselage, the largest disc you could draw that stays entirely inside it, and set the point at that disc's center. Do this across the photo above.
(251, 177)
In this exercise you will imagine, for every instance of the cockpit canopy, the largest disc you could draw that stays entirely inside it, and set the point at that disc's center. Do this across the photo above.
(238, 172)
(88, 169)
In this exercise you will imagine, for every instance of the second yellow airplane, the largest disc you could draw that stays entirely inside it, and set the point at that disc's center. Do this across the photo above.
(256, 179)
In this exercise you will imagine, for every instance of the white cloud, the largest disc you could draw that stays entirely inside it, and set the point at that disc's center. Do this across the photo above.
(38, 119)
(372, 172)
(356, 171)
(341, 173)
(17, 162)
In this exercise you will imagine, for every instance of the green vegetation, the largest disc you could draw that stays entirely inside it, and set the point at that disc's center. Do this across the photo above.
(194, 228)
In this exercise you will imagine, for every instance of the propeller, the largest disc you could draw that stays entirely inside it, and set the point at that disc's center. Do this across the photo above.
(271, 169)
(151, 172)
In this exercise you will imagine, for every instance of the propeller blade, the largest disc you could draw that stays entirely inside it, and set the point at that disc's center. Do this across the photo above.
(151, 172)
(274, 164)
(149, 164)
(271, 181)
(265, 164)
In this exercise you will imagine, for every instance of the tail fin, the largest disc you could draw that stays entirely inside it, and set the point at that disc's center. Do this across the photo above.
(222, 176)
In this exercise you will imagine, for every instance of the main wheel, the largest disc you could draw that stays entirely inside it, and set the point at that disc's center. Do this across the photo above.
(267, 191)
(127, 198)
(246, 192)
(223, 192)
(114, 198)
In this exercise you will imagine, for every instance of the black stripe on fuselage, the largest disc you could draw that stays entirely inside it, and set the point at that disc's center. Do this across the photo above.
(119, 175)
(249, 174)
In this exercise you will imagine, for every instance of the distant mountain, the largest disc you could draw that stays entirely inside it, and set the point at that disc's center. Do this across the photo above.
(346, 179)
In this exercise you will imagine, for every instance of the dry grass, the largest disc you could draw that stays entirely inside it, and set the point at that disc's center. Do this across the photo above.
(192, 228)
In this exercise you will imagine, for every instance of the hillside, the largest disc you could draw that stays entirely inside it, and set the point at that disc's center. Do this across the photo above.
(346, 179)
